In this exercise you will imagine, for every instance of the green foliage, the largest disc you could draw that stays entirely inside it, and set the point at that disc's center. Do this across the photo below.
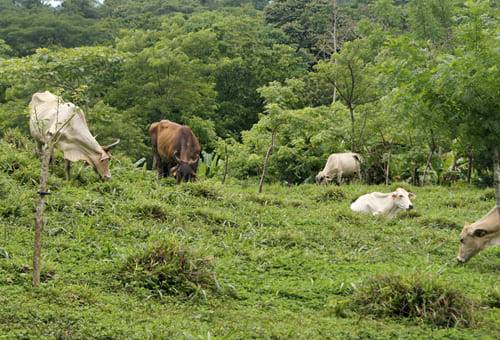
(417, 298)
(30, 28)
(292, 256)
(304, 140)
(84, 74)
(110, 124)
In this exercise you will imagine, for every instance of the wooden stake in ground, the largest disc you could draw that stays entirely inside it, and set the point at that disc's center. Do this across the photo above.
(46, 153)
(225, 163)
(39, 222)
(496, 170)
(266, 160)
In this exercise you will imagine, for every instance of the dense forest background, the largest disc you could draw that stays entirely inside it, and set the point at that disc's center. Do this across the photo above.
(411, 85)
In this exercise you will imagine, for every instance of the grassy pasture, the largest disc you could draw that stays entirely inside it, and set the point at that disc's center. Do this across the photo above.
(136, 257)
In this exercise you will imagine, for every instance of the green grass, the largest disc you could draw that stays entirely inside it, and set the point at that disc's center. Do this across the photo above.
(136, 257)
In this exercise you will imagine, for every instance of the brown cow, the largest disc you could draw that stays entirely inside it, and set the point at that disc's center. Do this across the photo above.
(176, 150)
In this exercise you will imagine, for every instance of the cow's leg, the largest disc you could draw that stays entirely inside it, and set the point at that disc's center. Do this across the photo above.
(339, 177)
(166, 169)
(160, 166)
(67, 169)
(38, 148)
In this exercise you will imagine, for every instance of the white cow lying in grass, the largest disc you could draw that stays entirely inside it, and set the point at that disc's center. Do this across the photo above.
(389, 204)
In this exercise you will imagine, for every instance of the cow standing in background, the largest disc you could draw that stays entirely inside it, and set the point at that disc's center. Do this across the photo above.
(50, 115)
(479, 235)
(340, 165)
(176, 150)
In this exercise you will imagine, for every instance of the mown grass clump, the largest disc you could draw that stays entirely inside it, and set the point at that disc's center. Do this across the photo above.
(335, 194)
(493, 298)
(169, 268)
(488, 195)
(200, 189)
(265, 200)
(416, 298)
(151, 210)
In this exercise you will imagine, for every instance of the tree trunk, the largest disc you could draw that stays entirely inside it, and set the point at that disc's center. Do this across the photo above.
(387, 170)
(334, 5)
(469, 170)
(427, 166)
(353, 143)
(37, 247)
(496, 170)
(266, 160)
(226, 161)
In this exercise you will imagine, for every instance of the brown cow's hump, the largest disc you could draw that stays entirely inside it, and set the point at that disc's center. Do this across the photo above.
(153, 127)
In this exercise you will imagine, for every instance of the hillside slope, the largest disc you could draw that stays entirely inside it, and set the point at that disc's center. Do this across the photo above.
(137, 257)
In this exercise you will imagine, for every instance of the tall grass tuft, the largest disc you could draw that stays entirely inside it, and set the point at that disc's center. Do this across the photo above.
(336, 194)
(169, 268)
(414, 297)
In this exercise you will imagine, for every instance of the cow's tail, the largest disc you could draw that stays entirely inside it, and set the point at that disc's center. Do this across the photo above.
(153, 132)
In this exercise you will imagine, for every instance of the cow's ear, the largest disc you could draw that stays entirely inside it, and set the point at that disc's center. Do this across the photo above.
(104, 156)
(394, 195)
(411, 195)
(479, 232)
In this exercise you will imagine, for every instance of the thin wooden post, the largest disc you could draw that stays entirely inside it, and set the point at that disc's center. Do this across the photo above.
(428, 165)
(496, 169)
(387, 169)
(40, 207)
(226, 161)
(469, 170)
(266, 160)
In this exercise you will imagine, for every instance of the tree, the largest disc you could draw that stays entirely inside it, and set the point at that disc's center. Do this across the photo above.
(85, 74)
(466, 82)
(354, 80)
(25, 30)
(85, 8)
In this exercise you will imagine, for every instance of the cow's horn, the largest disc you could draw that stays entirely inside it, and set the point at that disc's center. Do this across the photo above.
(177, 158)
(107, 147)
(194, 161)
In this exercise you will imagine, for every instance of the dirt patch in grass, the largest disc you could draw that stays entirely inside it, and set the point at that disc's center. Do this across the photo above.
(414, 297)
(169, 268)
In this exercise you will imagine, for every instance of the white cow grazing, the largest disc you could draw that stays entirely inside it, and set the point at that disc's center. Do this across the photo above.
(389, 204)
(49, 115)
(479, 235)
(340, 165)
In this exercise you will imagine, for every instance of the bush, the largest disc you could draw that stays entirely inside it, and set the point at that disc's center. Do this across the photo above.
(414, 297)
(169, 268)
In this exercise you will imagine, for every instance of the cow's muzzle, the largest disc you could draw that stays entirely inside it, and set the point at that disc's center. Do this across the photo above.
(410, 207)
(461, 259)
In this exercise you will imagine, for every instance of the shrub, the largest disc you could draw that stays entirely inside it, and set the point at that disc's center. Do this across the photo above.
(414, 297)
(169, 268)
